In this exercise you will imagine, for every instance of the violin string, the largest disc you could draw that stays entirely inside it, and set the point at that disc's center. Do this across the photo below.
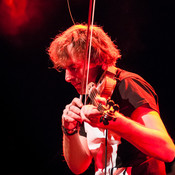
(96, 103)
(93, 95)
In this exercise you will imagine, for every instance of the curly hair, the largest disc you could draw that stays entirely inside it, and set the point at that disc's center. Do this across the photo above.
(103, 52)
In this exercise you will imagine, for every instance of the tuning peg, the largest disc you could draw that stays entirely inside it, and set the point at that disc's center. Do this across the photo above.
(110, 103)
(116, 107)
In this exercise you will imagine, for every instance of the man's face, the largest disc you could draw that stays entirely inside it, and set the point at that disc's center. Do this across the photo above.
(74, 72)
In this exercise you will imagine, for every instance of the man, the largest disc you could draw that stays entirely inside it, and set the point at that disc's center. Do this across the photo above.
(137, 141)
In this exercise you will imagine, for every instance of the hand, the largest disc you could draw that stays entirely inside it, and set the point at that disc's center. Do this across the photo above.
(91, 115)
(71, 114)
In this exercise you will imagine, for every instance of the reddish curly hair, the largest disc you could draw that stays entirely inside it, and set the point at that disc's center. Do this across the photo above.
(103, 52)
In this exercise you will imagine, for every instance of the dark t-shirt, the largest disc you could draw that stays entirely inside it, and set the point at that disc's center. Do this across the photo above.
(132, 91)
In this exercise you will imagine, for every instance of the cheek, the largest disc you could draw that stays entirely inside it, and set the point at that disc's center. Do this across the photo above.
(80, 74)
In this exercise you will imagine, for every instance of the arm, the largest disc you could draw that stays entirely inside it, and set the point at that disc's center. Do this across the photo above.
(75, 153)
(75, 149)
(145, 130)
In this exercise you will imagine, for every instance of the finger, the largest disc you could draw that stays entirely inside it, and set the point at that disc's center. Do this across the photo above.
(90, 110)
(77, 102)
(75, 116)
(67, 107)
(84, 118)
(75, 109)
(68, 119)
(92, 120)
(89, 113)
(68, 122)
(72, 112)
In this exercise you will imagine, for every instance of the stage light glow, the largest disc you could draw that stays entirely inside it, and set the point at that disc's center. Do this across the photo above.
(13, 16)
(23, 16)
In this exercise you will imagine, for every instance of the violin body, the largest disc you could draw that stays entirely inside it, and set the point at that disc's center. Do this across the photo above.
(104, 88)
(108, 82)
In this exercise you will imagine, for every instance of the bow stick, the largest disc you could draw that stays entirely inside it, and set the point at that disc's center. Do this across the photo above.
(88, 48)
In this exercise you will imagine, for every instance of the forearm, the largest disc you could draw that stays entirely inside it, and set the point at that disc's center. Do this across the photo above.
(150, 141)
(75, 149)
(76, 155)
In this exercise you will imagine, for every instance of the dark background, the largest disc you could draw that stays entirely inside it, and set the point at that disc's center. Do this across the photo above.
(34, 96)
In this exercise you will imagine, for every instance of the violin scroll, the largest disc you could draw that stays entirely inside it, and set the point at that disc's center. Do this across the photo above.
(108, 114)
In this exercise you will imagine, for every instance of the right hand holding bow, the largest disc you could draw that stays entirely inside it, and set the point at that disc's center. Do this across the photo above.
(71, 114)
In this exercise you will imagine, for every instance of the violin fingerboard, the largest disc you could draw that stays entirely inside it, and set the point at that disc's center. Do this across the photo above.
(101, 108)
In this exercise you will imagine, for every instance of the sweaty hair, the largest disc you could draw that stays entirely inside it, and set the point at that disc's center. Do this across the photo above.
(103, 52)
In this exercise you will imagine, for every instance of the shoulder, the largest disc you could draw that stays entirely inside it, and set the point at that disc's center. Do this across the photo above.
(135, 91)
(123, 75)
(129, 81)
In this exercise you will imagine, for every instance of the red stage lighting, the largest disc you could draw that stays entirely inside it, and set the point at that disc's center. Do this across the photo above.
(13, 16)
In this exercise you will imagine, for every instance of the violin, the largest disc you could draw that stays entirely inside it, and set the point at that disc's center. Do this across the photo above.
(104, 88)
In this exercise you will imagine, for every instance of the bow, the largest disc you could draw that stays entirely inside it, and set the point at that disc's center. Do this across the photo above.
(88, 47)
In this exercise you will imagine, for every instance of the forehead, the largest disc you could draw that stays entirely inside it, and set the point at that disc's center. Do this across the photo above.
(73, 58)
(74, 61)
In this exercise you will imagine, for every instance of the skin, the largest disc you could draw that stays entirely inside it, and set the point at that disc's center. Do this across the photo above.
(145, 129)
(74, 71)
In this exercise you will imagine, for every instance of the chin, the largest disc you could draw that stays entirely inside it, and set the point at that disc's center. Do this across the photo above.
(79, 90)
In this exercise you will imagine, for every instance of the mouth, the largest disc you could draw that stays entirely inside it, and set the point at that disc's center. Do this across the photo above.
(77, 86)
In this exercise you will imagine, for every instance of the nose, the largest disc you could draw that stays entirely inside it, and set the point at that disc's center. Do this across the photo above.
(68, 76)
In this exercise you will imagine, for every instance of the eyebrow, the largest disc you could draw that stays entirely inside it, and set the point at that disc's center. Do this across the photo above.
(70, 66)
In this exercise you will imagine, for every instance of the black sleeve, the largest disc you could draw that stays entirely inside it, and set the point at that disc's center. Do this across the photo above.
(135, 92)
